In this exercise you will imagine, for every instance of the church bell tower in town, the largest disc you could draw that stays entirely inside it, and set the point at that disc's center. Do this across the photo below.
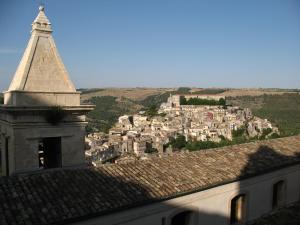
(42, 123)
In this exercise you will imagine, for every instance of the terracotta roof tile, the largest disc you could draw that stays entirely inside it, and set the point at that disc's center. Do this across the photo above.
(62, 196)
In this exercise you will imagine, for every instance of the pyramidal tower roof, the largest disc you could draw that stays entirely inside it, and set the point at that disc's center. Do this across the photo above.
(41, 68)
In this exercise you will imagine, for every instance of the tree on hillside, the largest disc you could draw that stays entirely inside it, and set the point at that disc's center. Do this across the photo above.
(151, 111)
(200, 101)
(183, 90)
(179, 142)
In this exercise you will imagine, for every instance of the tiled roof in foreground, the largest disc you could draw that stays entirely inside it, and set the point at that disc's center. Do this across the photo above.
(63, 196)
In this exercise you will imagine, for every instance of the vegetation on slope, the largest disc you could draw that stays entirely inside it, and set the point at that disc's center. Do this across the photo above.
(156, 100)
(180, 143)
(282, 110)
(199, 101)
(107, 111)
(90, 90)
(210, 91)
(182, 90)
(1, 99)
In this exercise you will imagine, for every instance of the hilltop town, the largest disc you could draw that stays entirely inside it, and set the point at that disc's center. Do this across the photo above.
(184, 122)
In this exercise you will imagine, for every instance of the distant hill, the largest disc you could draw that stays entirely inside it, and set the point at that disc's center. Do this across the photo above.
(274, 104)
(258, 91)
(135, 94)
(139, 94)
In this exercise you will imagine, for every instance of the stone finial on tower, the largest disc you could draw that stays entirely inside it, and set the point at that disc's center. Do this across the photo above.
(41, 22)
(41, 7)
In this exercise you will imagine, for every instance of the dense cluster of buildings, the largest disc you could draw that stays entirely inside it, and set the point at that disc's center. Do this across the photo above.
(140, 134)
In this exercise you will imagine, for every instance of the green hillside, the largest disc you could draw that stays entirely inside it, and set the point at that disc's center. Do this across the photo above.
(282, 110)
(107, 111)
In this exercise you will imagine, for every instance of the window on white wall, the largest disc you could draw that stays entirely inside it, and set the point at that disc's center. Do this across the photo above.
(278, 194)
(163, 221)
(238, 209)
(183, 218)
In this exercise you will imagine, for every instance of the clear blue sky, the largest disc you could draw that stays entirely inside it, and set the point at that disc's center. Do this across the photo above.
(163, 43)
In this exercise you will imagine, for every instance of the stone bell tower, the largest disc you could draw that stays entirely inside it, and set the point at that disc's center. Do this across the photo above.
(42, 121)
